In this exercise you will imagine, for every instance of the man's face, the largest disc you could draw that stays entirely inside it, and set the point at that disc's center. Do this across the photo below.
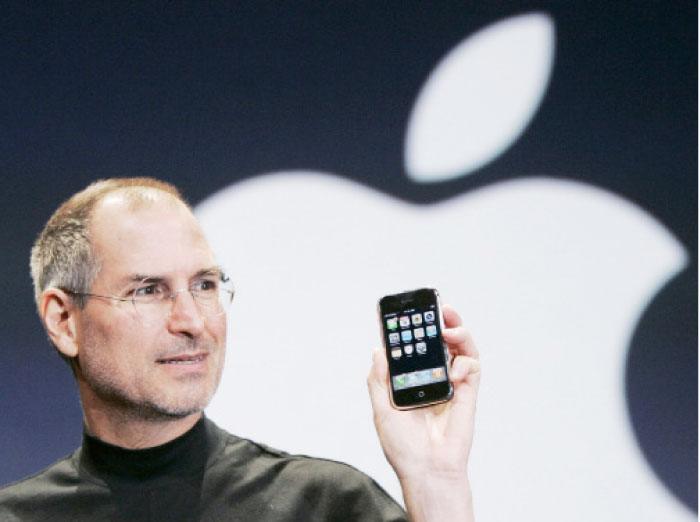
(151, 365)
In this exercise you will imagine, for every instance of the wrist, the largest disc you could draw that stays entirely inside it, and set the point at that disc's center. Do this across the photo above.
(444, 495)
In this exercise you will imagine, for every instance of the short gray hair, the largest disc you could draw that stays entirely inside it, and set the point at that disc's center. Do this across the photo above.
(62, 255)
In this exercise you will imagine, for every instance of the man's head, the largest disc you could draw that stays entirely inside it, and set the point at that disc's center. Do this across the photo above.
(153, 361)
(62, 255)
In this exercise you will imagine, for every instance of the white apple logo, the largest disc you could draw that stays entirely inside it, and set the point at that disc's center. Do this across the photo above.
(550, 276)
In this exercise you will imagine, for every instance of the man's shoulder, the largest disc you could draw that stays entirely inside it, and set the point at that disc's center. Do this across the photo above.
(30, 493)
(258, 457)
(61, 472)
(301, 483)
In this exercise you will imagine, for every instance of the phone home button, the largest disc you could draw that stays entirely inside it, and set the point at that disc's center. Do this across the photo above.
(421, 394)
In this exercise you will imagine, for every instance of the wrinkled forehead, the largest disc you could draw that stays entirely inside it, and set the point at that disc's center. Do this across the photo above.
(148, 233)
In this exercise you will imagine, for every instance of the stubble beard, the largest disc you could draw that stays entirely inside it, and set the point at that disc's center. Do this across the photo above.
(157, 406)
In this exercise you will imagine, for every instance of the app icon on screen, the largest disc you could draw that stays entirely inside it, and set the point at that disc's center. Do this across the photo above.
(393, 338)
(429, 317)
(408, 349)
(406, 336)
(438, 373)
(392, 323)
(413, 378)
(431, 330)
(419, 333)
(399, 381)
(396, 353)
(417, 319)
(405, 322)
(421, 348)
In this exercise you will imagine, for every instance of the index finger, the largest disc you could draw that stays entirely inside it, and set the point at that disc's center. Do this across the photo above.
(458, 339)
(450, 316)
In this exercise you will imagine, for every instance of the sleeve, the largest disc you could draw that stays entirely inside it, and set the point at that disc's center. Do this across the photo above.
(341, 493)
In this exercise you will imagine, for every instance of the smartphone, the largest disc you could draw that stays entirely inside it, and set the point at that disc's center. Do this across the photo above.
(411, 324)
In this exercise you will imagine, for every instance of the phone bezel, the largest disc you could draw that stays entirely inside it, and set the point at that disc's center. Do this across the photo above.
(433, 393)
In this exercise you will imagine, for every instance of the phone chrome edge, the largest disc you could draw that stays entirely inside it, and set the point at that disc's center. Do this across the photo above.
(423, 404)
(446, 353)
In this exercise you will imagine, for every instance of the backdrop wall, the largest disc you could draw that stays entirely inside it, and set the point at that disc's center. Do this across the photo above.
(536, 162)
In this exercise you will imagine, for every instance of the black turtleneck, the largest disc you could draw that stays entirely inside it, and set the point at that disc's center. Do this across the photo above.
(165, 479)
(205, 474)
(185, 454)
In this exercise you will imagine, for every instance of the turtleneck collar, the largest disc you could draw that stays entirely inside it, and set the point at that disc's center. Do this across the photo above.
(182, 456)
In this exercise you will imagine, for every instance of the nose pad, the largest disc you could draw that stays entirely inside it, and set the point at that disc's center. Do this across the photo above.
(185, 317)
(173, 301)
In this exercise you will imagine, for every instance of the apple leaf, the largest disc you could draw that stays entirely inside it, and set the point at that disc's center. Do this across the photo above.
(479, 98)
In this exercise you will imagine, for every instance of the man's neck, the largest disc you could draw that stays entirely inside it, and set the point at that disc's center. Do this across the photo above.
(134, 433)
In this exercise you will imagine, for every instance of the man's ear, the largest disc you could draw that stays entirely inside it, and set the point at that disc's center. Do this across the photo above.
(58, 312)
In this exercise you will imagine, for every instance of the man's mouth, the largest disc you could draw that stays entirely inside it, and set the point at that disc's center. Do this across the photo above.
(182, 359)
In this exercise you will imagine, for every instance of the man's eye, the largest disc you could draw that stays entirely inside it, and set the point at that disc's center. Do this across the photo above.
(205, 286)
(148, 290)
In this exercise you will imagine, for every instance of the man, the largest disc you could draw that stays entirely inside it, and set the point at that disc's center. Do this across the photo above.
(132, 298)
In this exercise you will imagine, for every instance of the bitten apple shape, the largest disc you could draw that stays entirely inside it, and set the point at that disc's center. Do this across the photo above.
(550, 277)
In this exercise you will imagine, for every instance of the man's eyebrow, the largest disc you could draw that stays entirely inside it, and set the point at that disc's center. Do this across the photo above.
(138, 278)
(212, 270)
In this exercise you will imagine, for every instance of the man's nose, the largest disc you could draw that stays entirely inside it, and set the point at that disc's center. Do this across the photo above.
(184, 317)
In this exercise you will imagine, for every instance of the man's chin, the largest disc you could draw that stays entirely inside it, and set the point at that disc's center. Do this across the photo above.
(183, 406)
(164, 409)
(163, 402)
(164, 412)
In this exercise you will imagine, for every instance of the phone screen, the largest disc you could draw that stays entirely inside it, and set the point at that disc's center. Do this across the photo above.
(412, 329)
